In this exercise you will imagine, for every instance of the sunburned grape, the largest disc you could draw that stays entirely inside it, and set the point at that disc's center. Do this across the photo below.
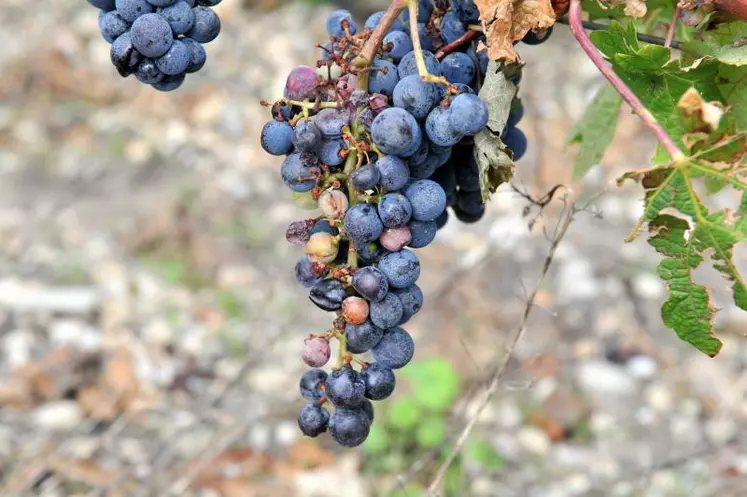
(309, 273)
(395, 239)
(316, 352)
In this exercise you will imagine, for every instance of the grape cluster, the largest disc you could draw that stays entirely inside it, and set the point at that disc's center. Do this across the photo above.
(159, 41)
(370, 146)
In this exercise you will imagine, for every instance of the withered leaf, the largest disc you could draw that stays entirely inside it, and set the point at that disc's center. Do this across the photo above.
(507, 21)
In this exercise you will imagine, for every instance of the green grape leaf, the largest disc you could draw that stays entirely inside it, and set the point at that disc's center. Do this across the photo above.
(436, 383)
(483, 454)
(430, 432)
(404, 414)
(493, 159)
(378, 440)
(595, 130)
(727, 43)
(685, 242)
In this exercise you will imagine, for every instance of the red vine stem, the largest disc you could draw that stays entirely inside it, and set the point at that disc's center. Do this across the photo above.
(456, 44)
(368, 52)
(576, 23)
(672, 26)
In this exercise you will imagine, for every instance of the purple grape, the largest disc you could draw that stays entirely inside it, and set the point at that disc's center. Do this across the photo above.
(176, 60)
(124, 56)
(308, 273)
(349, 427)
(148, 73)
(330, 122)
(415, 96)
(328, 294)
(313, 420)
(466, 11)
(105, 5)
(311, 384)
(306, 136)
(361, 337)
(516, 140)
(371, 283)
(370, 251)
(301, 83)
(452, 28)
(112, 26)
(380, 381)
(344, 387)
(329, 152)
(316, 352)
(374, 19)
(297, 171)
(531, 38)
(365, 178)
(395, 349)
(470, 203)
(170, 83)
(425, 9)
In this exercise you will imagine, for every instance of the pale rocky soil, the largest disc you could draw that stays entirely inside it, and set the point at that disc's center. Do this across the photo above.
(150, 326)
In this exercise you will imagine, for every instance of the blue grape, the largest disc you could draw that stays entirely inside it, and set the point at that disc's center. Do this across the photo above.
(162, 3)
(197, 54)
(425, 9)
(426, 167)
(105, 5)
(208, 3)
(112, 26)
(367, 407)
(349, 427)
(515, 139)
(374, 19)
(531, 37)
(517, 112)
(422, 233)
(482, 57)
(330, 122)
(452, 28)
(335, 20)
(427, 198)
(151, 35)
(323, 226)
(443, 153)
(362, 223)
(276, 137)
(365, 178)
(344, 387)
(311, 384)
(466, 11)
(371, 283)
(415, 96)
(394, 172)
(468, 114)
(408, 66)
(387, 312)
(470, 203)
(394, 210)
(397, 44)
(176, 60)
(411, 298)
(170, 83)
(313, 420)
(370, 251)
(148, 73)
(442, 219)
(206, 26)
(439, 129)
(361, 337)
(306, 274)
(395, 131)
(129, 10)
(402, 268)
(328, 295)
(420, 155)
(297, 171)
(446, 176)
(380, 381)
(458, 68)
(124, 56)
(395, 349)
(426, 37)
(329, 152)
(383, 77)
(179, 15)
(306, 136)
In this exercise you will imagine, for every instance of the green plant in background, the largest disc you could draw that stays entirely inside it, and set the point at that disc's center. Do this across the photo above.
(418, 422)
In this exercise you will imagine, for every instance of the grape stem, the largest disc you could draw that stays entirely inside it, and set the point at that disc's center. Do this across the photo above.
(311, 105)
(672, 26)
(342, 350)
(368, 52)
(577, 28)
(456, 44)
(412, 5)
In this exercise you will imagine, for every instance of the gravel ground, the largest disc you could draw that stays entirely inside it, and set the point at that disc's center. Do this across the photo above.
(150, 325)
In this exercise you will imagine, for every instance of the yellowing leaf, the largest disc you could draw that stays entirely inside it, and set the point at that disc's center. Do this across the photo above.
(692, 104)
(507, 21)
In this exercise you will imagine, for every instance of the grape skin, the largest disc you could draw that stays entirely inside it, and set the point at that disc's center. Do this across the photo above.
(371, 283)
(380, 381)
(396, 132)
(386, 313)
(362, 337)
(395, 349)
(349, 427)
(362, 223)
(401, 268)
(311, 384)
(427, 198)
(394, 210)
(313, 420)
(344, 387)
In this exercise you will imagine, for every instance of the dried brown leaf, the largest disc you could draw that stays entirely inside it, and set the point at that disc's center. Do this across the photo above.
(633, 8)
(507, 21)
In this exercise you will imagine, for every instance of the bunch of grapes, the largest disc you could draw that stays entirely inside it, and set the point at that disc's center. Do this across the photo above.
(381, 150)
(159, 41)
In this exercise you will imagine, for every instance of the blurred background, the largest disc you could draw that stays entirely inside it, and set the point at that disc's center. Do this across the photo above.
(151, 326)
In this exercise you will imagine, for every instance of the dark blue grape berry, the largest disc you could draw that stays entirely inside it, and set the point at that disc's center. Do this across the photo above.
(349, 427)
(395, 349)
(344, 387)
(313, 420)
(380, 381)
(361, 337)
(365, 178)
(387, 312)
(311, 384)
(371, 283)
(328, 295)
(402, 269)
(152, 35)
(206, 26)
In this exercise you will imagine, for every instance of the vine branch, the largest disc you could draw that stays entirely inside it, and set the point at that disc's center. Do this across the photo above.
(576, 24)
(596, 26)
(368, 52)
(672, 26)
(562, 229)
